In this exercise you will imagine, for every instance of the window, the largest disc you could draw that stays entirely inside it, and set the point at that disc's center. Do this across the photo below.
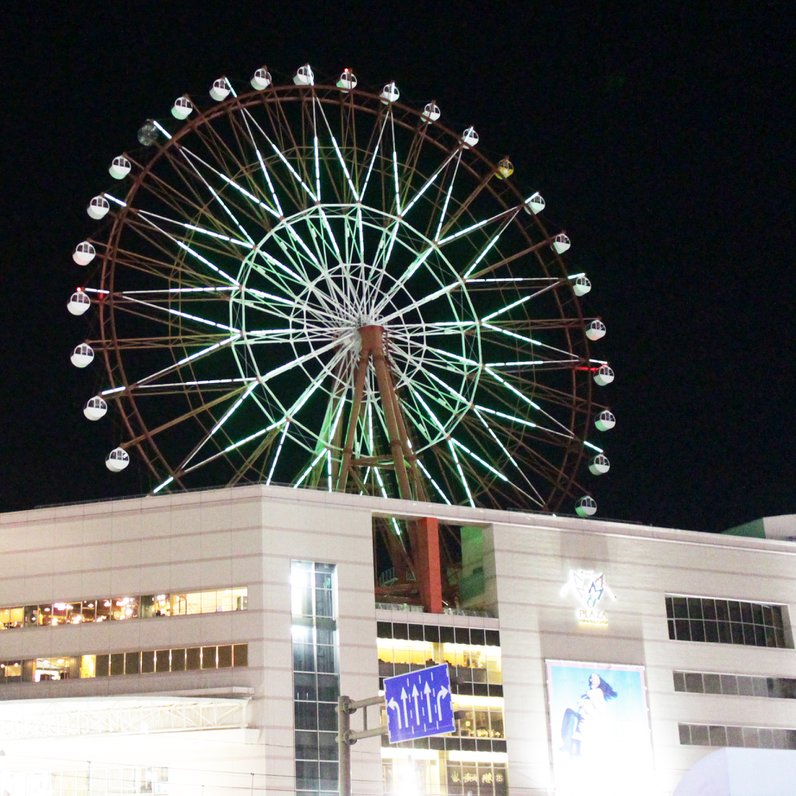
(103, 609)
(126, 663)
(726, 621)
(316, 685)
(749, 737)
(735, 684)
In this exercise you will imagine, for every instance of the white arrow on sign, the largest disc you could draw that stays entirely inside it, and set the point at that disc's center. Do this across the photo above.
(441, 694)
(415, 695)
(404, 698)
(427, 692)
(394, 705)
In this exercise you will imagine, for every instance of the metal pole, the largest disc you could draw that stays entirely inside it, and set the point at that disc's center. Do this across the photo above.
(343, 745)
(346, 737)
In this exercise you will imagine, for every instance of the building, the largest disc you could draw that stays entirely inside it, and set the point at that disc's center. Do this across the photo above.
(198, 643)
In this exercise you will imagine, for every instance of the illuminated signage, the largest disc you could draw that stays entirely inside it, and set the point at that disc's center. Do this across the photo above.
(589, 588)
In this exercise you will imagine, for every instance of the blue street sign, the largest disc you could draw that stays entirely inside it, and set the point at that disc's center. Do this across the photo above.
(419, 704)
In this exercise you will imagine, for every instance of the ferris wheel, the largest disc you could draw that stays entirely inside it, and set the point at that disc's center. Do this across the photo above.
(321, 286)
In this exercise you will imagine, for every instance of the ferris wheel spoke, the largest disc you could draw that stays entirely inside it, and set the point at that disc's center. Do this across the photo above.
(246, 245)
(433, 481)
(219, 424)
(563, 429)
(337, 152)
(175, 367)
(172, 312)
(295, 280)
(187, 248)
(568, 357)
(534, 494)
(187, 167)
(188, 162)
(446, 201)
(277, 149)
(456, 153)
(374, 147)
(286, 416)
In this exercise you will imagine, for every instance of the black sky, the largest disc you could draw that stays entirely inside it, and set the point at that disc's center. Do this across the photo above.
(662, 141)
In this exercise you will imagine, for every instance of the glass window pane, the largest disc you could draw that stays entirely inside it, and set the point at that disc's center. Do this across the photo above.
(718, 735)
(306, 745)
(693, 682)
(694, 608)
(751, 739)
(240, 654)
(103, 665)
(132, 662)
(148, 661)
(679, 681)
(209, 601)
(117, 663)
(193, 602)
(734, 736)
(327, 746)
(193, 658)
(699, 735)
(162, 661)
(306, 715)
(225, 656)
(729, 684)
(208, 657)
(327, 716)
(178, 660)
(712, 683)
(685, 734)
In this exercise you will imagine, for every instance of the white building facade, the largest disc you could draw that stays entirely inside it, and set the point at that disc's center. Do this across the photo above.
(198, 643)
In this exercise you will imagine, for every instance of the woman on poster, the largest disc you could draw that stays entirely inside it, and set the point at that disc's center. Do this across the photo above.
(582, 725)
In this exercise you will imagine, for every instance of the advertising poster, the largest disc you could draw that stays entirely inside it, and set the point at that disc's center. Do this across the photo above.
(599, 729)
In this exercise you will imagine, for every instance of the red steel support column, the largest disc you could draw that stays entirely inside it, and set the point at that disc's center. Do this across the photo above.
(424, 536)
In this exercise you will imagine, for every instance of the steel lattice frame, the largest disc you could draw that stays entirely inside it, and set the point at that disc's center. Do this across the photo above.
(309, 286)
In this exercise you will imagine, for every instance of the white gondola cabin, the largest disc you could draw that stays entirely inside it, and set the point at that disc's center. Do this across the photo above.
(84, 253)
(390, 93)
(304, 76)
(119, 168)
(98, 208)
(117, 460)
(581, 286)
(595, 330)
(599, 465)
(347, 81)
(220, 89)
(78, 303)
(469, 138)
(534, 203)
(605, 421)
(95, 409)
(261, 79)
(561, 243)
(431, 112)
(182, 108)
(586, 506)
(604, 375)
(82, 356)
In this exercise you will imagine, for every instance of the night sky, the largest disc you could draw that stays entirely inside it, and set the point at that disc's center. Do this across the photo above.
(661, 140)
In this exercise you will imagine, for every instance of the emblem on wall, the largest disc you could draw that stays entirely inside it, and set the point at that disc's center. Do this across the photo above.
(589, 588)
